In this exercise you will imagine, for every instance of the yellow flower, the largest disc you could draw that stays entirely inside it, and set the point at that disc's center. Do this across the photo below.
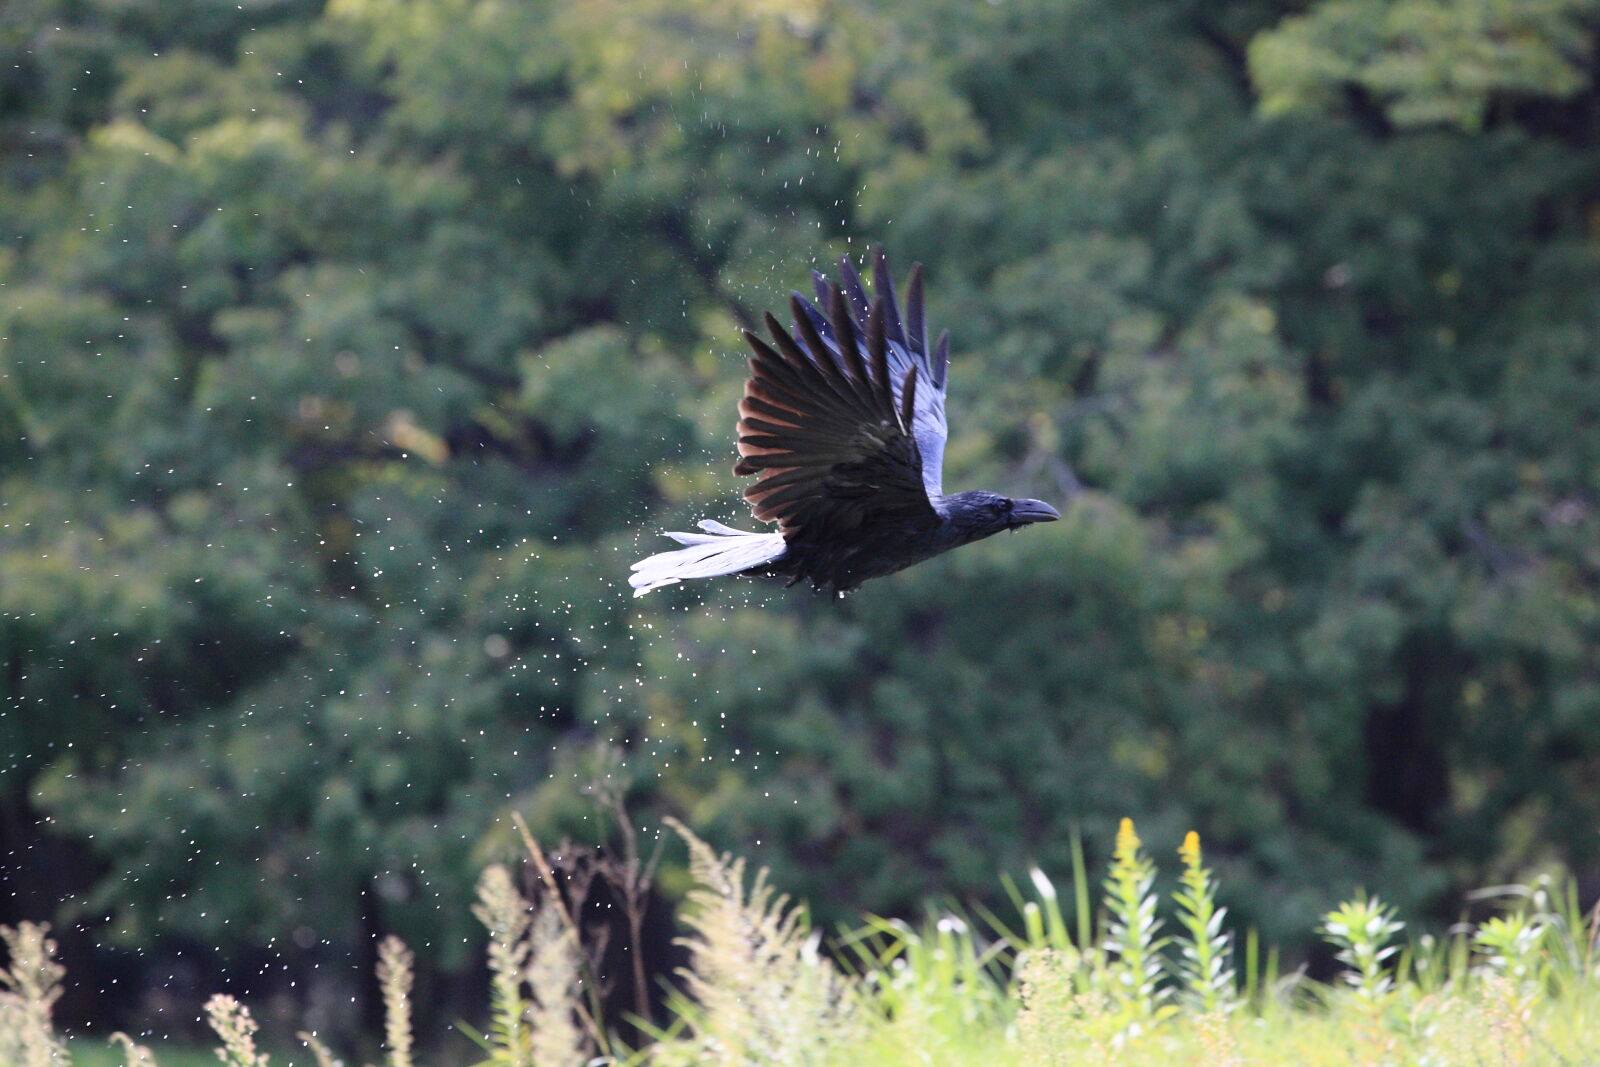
(1127, 841)
(1189, 851)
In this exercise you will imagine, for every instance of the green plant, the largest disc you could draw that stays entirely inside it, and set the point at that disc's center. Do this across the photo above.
(1363, 930)
(506, 915)
(1203, 968)
(533, 988)
(1511, 944)
(762, 992)
(1133, 937)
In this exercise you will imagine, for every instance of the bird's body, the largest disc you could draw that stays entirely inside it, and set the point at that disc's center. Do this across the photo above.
(843, 423)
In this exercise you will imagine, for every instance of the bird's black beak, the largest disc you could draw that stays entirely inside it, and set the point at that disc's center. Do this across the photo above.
(1024, 512)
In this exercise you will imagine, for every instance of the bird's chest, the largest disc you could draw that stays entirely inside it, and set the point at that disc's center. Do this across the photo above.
(843, 564)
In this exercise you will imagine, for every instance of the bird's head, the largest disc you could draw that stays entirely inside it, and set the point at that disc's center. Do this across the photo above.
(980, 513)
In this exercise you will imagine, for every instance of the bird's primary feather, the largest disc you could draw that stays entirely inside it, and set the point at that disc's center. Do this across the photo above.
(907, 351)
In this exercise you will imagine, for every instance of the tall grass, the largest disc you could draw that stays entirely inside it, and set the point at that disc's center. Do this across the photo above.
(1142, 981)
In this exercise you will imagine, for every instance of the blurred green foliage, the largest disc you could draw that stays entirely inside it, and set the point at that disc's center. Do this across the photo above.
(349, 352)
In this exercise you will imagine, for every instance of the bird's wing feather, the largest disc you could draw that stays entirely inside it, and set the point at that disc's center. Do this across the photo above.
(906, 351)
(827, 425)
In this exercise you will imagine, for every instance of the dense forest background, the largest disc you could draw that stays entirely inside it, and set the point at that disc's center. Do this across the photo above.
(350, 351)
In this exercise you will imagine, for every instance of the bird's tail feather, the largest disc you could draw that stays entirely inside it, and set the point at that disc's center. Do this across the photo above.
(720, 550)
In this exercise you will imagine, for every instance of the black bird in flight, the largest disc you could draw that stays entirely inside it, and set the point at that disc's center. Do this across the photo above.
(843, 424)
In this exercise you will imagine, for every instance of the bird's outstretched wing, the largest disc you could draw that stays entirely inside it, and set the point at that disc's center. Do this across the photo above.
(907, 351)
(828, 425)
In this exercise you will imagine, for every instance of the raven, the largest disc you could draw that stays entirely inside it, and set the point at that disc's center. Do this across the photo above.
(843, 423)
